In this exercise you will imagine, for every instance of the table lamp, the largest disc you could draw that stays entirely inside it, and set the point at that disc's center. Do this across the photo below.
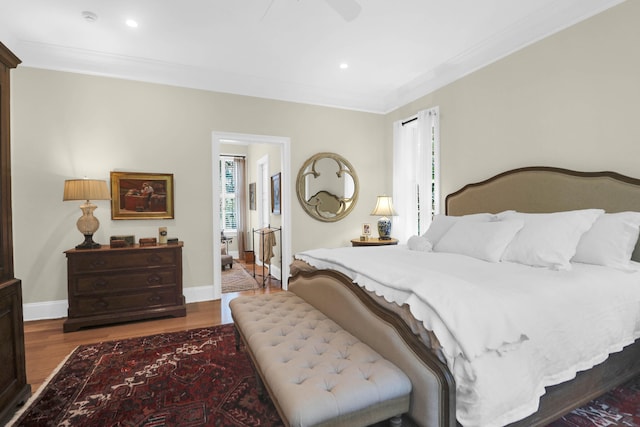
(86, 189)
(384, 208)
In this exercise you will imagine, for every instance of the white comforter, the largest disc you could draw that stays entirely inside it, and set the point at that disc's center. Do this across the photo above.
(507, 330)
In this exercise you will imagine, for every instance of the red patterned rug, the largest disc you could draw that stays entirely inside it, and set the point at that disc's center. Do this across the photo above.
(189, 378)
(196, 378)
(618, 408)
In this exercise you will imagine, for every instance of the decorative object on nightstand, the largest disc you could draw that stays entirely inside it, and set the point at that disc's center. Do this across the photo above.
(366, 231)
(384, 208)
(87, 190)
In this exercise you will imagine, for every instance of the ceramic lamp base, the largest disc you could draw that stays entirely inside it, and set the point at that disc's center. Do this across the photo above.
(384, 228)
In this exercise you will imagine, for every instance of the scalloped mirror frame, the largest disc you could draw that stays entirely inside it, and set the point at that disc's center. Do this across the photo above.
(323, 205)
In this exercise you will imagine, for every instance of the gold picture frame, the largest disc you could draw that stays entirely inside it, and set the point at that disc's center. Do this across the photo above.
(136, 195)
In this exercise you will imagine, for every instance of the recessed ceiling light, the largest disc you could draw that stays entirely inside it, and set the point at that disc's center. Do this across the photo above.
(89, 16)
(132, 23)
(344, 66)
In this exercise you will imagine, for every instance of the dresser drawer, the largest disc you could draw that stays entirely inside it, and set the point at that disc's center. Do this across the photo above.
(125, 302)
(109, 261)
(94, 284)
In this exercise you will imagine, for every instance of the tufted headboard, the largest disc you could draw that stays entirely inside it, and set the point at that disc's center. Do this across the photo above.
(541, 189)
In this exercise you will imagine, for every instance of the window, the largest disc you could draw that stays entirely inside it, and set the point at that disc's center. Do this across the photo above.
(228, 205)
(416, 173)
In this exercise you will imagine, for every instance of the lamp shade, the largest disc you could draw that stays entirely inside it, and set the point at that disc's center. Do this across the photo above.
(384, 207)
(85, 189)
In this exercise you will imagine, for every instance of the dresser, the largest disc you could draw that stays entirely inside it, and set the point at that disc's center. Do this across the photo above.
(14, 389)
(110, 285)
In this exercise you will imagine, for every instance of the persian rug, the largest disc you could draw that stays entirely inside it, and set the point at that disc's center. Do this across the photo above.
(236, 279)
(196, 378)
(619, 407)
(189, 378)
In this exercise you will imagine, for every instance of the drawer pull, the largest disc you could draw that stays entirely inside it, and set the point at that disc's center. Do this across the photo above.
(155, 298)
(101, 304)
(154, 259)
(100, 283)
(154, 279)
(97, 263)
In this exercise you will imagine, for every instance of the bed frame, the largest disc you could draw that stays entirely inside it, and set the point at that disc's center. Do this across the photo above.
(532, 189)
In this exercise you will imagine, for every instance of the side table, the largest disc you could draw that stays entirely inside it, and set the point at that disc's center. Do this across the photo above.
(373, 241)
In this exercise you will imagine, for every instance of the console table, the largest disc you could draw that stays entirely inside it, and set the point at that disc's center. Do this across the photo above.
(110, 285)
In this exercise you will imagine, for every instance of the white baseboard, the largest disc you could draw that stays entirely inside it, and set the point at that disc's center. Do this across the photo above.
(45, 310)
(275, 270)
(58, 309)
(198, 293)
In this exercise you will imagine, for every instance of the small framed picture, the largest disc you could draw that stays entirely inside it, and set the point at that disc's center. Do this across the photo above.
(366, 229)
(275, 194)
(252, 196)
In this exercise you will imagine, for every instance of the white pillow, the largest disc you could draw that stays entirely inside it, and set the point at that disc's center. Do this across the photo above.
(442, 223)
(610, 241)
(419, 243)
(481, 240)
(548, 240)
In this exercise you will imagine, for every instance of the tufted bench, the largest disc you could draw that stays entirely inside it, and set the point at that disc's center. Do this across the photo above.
(316, 373)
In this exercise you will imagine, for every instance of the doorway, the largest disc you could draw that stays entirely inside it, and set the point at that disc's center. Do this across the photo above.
(283, 143)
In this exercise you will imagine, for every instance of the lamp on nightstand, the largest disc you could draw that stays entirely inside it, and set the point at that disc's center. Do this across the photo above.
(86, 189)
(384, 208)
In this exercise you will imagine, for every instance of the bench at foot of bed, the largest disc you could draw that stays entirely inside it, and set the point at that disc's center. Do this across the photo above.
(316, 373)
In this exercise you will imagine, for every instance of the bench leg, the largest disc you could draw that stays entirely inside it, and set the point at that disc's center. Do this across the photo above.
(396, 421)
(237, 336)
(260, 388)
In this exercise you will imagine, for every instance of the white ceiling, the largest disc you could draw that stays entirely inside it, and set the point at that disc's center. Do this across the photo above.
(397, 50)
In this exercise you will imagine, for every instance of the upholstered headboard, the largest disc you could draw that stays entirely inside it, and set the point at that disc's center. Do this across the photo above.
(546, 189)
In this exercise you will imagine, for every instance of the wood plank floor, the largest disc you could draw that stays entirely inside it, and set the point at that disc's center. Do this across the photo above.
(47, 346)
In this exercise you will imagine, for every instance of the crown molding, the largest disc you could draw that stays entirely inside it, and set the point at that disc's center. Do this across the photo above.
(62, 58)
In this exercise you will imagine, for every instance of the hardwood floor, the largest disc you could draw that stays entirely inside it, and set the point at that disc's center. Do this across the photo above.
(47, 346)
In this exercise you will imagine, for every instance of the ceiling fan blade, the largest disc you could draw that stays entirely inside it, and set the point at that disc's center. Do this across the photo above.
(348, 9)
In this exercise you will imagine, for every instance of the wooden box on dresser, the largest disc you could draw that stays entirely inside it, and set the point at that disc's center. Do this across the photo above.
(110, 285)
(14, 389)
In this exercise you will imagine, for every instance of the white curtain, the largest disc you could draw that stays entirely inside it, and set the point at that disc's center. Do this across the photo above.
(415, 173)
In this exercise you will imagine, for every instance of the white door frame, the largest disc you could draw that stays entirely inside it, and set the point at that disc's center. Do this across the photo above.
(285, 160)
(263, 206)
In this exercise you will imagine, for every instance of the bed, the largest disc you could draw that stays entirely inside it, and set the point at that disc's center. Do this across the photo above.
(351, 298)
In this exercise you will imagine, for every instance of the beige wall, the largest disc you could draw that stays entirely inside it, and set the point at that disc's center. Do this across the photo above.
(67, 125)
(571, 100)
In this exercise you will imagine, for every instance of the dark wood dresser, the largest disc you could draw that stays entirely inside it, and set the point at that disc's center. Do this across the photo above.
(14, 389)
(110, 285)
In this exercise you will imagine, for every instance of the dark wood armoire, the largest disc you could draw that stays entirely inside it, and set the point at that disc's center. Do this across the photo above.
(14, 389)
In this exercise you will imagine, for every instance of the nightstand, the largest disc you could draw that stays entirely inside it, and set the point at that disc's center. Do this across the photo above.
(373, 241)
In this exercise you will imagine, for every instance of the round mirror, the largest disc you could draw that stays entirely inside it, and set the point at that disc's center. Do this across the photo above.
(327, 187)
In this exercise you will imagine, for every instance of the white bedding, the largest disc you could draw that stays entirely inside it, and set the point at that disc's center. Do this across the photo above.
(507, 330)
